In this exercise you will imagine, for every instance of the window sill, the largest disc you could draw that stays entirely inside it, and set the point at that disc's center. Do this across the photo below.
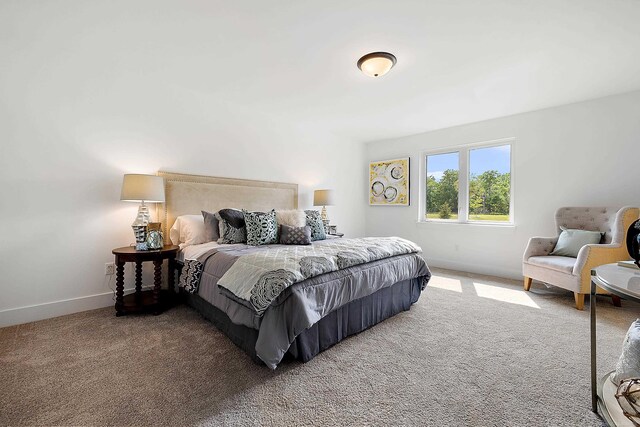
(471, 223)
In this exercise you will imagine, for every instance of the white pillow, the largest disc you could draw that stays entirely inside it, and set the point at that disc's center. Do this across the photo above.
(188, 229)
(292, 218)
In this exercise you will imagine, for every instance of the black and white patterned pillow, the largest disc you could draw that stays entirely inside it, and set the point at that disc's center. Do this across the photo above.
(232, 226)
(317, 227)
(262, 228)
(295, 235)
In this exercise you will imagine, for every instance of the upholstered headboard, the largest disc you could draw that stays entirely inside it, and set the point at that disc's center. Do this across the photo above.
(190, 194)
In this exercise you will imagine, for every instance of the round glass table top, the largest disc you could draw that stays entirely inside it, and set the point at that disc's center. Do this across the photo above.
(623, 280)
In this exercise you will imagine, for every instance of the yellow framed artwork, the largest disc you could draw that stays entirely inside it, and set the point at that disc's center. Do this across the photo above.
(389, 182)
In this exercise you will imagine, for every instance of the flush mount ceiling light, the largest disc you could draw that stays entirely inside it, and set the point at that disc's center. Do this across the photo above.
(376, 64)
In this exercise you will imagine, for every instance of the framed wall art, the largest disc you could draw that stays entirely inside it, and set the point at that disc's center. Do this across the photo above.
(389, 182)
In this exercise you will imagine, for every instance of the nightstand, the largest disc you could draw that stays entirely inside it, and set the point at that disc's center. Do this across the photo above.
(337, 234)
(154, 301)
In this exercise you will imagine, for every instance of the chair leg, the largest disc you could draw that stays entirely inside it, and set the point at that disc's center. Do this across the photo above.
(527, 283)
(579, 300)
(617, 301)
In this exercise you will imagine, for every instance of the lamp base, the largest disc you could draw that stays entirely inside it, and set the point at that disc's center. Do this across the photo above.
(140, 227)
(140, 232)
(143, 218)
(325, 219)
(324, 215)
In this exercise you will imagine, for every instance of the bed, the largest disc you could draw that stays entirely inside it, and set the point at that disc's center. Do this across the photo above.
(309, 316)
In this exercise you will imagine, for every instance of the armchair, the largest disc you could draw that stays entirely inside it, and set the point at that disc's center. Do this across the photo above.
(574, 274)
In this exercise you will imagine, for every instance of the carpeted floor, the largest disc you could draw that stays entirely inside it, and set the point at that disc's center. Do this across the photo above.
(473, 351)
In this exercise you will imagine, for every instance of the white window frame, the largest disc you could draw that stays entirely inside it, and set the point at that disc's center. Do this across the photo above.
(463, 183)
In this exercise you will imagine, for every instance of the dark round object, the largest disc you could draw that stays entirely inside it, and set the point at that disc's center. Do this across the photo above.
(633, 241)
(397, 172)
(628, 397)
(390, 193)
(377, 188)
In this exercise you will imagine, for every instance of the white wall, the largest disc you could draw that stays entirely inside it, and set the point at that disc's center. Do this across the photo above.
(583, 154)
(75, 118)
(61, 170)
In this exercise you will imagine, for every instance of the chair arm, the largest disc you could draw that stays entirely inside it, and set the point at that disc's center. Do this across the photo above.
(592, 256)
(539, 246)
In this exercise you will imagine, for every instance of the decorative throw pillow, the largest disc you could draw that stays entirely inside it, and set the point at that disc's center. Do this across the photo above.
(571, 241)
(262, 228)
(188, 230)
(315, 223)
(292, 218)
(231, 225)
(211, 226)
(295, 235)
(629, 362)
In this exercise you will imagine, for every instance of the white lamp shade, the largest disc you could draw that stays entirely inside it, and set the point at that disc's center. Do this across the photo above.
(138, 188)
(323, 198)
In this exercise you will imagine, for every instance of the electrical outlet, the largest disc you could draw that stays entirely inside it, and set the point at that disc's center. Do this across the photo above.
(109, 269)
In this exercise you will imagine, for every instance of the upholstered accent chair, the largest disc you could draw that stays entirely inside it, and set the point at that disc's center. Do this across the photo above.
(574, 274)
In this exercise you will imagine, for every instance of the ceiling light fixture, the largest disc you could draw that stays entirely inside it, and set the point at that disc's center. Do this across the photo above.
(376, 64)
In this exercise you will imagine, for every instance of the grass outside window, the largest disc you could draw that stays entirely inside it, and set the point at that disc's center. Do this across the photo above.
(472, 217)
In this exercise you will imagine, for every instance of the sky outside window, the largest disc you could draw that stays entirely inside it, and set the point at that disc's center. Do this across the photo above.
(491, 158)
(438, 163)
(481, 160)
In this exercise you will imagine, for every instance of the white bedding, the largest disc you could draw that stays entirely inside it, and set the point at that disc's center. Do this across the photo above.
(194, 251)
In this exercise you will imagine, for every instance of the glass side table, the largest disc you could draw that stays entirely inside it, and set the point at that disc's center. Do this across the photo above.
(625, 283)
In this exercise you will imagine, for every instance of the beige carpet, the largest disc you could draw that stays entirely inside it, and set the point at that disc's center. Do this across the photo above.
(473, 351)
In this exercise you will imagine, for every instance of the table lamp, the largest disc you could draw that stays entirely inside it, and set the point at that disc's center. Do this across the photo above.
(323, 198)
(142, 188)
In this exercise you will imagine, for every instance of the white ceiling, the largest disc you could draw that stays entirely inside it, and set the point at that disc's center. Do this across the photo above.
(295, 61)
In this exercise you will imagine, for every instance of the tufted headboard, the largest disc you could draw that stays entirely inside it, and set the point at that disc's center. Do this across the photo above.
(613, 222)
(190, 194)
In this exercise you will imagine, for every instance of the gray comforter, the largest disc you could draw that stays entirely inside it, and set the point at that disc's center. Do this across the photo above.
(261, 276)
(303, 304)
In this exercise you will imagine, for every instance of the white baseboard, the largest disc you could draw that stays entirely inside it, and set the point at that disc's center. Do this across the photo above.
(32, 313)
(486, 270)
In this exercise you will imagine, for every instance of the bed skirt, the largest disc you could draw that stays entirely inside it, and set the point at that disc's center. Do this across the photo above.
(347, 320)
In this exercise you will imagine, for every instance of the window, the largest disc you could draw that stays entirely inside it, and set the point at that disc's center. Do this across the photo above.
(469, 184)
(442, 186)
(490, 184)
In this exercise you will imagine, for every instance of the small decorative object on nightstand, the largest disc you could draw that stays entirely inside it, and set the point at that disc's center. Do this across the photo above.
(332, 230)
(142, 188)
(323, 198)
(154, 236)
(140, 301)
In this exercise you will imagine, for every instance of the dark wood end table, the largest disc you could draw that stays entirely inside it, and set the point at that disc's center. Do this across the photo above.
(154, 301)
